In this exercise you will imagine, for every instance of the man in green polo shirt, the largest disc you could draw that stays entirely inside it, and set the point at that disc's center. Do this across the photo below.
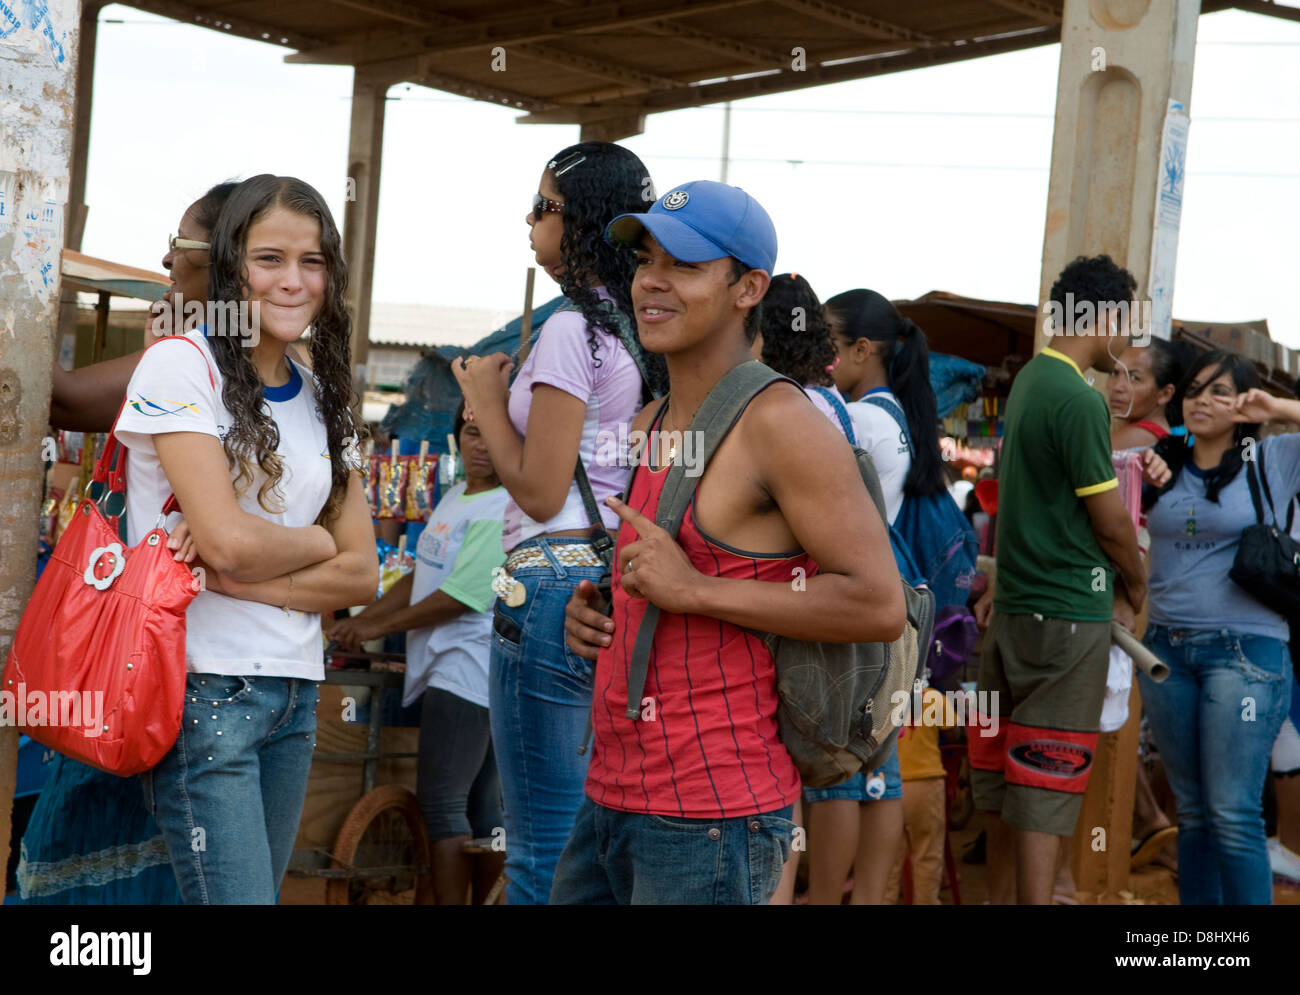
(1067, 562)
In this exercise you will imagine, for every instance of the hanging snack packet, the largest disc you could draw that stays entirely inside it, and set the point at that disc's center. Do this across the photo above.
(392, 486)
(421, 485)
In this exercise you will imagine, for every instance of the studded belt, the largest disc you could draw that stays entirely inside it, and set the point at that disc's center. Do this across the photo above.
(570, 554)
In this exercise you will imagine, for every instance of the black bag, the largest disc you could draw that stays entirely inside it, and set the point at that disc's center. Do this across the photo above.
(1268, 559)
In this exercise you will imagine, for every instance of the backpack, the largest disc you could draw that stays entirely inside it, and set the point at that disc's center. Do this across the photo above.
(837, 711)
(943, 545)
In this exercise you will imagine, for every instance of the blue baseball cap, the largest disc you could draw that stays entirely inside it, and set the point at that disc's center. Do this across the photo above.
(704, 220)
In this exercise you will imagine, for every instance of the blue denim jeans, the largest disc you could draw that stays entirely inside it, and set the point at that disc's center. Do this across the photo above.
(855, 788)
(1214, 721)
(540, 706)
(625, 858)
(229, 794)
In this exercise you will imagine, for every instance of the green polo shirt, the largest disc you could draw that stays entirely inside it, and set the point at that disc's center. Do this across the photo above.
(1056, 452)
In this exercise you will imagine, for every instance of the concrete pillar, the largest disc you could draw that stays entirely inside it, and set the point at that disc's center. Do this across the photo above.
(36, 133)
(1122, 63)
(361, 212)
(74, 221)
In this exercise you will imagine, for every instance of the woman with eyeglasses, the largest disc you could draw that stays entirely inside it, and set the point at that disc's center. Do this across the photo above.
(1217, 715)
(83, 813)
(86, 399)
(580, 383)
(261, 454)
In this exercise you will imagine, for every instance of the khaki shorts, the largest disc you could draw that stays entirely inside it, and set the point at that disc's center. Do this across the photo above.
(1045, 679)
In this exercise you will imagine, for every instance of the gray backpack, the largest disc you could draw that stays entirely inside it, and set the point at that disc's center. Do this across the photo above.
(838, 711)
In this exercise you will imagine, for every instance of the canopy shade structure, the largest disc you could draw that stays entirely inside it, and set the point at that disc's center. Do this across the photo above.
(604, 66)
(99, 276)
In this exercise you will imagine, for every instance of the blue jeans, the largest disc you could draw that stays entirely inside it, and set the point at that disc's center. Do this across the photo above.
(1214, 721)
(625, 858)
(540, 706)
(229, 794)
(855, 788)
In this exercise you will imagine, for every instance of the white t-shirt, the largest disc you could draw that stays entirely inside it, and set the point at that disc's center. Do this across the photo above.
(881, 436)
(170, 392)
(457, 552)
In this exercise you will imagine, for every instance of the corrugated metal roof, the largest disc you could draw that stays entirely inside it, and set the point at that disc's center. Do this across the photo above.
(426, 325)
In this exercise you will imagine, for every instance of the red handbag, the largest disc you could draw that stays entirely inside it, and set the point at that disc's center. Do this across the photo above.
(97, 667)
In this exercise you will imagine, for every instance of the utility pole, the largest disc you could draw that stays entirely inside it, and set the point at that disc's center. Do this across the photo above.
(36, 136)
(726, 139)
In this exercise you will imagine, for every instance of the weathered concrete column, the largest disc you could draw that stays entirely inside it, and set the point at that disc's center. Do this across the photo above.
(74, 220)
(361, 212)
(1123, 63)
(38, 65)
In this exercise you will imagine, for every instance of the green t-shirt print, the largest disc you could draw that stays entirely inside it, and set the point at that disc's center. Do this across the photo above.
(1056, 451)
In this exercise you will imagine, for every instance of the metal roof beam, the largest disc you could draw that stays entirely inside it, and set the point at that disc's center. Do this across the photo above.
(537, 24)
(1269, 9)
(241, 27)
(855, 21)
(416, 17)
(1043, 11)
(709, 42)
(787, 80)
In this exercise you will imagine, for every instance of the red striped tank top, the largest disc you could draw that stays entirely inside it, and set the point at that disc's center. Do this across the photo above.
(707, 744)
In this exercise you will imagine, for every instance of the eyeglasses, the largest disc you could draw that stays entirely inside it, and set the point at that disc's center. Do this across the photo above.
(176, 242)
(541, 205)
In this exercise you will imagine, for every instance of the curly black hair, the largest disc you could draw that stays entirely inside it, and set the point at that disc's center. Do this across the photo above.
(599, 181)
(796, 336)
(253, 436)
(1097, 280)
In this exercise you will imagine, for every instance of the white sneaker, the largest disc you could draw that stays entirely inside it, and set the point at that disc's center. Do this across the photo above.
(1284, 862)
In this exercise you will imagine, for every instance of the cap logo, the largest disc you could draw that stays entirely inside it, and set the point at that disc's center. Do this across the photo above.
(676, 200)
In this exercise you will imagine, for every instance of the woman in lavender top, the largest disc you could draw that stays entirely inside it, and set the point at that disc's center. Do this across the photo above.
(579, 387)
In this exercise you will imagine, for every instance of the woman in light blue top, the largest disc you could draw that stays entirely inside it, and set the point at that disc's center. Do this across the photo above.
(1229, 689)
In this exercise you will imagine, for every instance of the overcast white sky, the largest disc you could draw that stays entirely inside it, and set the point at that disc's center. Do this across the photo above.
(934, 179)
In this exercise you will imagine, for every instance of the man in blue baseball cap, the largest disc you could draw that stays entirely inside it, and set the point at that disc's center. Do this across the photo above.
(690, 789)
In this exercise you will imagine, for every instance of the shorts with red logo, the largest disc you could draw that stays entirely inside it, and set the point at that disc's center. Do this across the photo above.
(1046, 679)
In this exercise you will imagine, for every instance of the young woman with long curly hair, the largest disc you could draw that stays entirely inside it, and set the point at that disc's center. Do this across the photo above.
(261, 454)
(581, 383)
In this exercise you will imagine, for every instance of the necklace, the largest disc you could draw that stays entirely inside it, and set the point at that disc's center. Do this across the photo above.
(673, 436)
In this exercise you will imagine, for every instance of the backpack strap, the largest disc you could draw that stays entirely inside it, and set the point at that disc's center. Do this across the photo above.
(716, 417)
(841, 412)
(895, 412)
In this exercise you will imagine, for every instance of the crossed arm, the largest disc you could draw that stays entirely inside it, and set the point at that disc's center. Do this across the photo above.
(309, 568)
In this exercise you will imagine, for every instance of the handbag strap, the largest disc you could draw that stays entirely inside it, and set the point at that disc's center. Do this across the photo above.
(110, 468)
(1254, 477)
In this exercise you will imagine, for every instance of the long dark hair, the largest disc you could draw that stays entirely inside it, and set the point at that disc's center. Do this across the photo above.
(1169, 363)
(599, 181)
(1176, 452)
(865, 314)
(253, 436)
(796, 337)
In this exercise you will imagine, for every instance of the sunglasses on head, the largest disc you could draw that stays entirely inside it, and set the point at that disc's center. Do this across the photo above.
(543, 205)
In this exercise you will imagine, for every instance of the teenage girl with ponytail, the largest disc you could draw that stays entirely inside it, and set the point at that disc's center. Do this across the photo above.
(883, 369)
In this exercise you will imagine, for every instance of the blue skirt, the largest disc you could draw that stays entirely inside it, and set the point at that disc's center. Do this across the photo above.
(91, 841)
